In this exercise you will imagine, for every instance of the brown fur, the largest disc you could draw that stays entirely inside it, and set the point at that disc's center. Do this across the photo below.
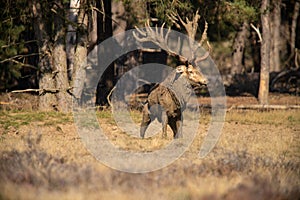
(167, 100)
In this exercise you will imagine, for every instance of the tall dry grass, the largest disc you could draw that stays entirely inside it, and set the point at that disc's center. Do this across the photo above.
(257, 157)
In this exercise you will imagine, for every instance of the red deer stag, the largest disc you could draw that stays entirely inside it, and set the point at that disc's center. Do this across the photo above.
(167, 100)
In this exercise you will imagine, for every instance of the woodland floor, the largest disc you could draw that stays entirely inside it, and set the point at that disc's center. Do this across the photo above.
(256, 157)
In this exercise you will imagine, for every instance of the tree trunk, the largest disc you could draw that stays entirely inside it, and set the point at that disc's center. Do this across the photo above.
(61, 78)
(275, 22)
(52, 60)
(239, 49)
(294, 26)
(80, 57)
(92, 30)
(60, 60)
(79, 75)
(104, 31)
(47, 101)
(71, 35)
(263, 92)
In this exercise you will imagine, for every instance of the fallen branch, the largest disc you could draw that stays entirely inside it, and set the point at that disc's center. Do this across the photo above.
(264, 107)
(143, 96)
(35, 90)
(4, 103)
(42, 91)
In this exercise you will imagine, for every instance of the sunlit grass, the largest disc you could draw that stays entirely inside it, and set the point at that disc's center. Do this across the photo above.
(18, 119)
(288, 117)
(276, 117)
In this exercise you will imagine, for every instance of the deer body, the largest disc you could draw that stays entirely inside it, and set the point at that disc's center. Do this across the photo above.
(167, 100)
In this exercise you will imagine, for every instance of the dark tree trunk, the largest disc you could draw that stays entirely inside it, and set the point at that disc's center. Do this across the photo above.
(275, 22)
(263, 92)
(294, 26)
(104, 31)
(255, 51)
(239, 49)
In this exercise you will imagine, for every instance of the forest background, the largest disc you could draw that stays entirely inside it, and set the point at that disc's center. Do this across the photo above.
(255, 44)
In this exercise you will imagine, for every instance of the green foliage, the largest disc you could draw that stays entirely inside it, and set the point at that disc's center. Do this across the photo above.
(156, 9)
(14, 21)
(238, 11)
(225, 17)
(162, 9)
(17, 36)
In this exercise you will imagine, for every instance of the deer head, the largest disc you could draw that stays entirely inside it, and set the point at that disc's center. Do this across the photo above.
(194, 76)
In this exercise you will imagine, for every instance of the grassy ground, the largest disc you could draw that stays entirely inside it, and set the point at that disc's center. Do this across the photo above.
(257, 157)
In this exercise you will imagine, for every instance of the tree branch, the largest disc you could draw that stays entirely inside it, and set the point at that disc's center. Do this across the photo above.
(18, 43)
(103, 13)
(20, 63)
(19, 56)
(257, 31)
(108, 96)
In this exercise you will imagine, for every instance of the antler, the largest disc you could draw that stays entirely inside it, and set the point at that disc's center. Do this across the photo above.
(157, 36)
(190, 26)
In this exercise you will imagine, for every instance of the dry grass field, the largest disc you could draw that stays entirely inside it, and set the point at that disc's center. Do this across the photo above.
(257, 157)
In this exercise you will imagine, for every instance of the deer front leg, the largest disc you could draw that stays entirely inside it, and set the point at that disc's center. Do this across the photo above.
(146, 120)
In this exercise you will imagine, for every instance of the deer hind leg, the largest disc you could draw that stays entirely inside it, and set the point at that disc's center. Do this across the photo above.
(172, 123)
(179, 128)
(176, 126)
(145, 121)
(164, 122)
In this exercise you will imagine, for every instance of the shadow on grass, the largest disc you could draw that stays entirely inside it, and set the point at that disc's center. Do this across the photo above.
(37, 168)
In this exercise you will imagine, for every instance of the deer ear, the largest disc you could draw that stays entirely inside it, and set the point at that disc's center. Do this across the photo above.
(190, 68)
(180, 69)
